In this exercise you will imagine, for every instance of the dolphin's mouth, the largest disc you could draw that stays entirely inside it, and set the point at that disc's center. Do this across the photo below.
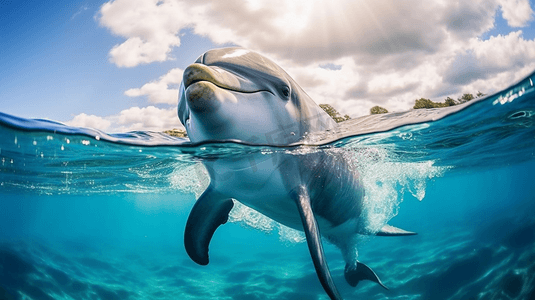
(222, 86)
(219, 77)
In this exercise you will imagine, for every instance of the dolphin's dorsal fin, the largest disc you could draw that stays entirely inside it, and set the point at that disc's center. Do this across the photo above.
(388, 230)
(312, 233)
(361, 272)
(208, 213)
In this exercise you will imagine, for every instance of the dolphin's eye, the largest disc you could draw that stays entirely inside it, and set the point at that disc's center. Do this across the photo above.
(286, 91)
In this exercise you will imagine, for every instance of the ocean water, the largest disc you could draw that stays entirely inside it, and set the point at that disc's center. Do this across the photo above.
(90, 215)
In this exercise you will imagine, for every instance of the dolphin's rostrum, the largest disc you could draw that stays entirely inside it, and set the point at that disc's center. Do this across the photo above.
(237, 94)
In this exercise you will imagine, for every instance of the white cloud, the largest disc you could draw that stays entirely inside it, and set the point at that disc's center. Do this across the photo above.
(301, 30)
(148, 118)
(389, 52)
(163, 90)
(489, 58)
(311, 31)
(150, 26)
(505, 50)
(518, 13)
(89, 121)
(466, 19)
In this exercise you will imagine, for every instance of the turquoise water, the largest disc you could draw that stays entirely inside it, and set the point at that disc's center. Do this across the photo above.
(90, 215)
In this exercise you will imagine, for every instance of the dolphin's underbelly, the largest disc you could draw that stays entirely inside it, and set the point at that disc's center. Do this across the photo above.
(259, 186)
(258, 182)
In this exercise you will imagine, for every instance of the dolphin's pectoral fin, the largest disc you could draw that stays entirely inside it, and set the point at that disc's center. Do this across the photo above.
(312, 233)
(388, 230)
(208, 213)
(361, 272)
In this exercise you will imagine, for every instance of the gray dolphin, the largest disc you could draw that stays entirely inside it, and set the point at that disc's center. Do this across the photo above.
(238, 94)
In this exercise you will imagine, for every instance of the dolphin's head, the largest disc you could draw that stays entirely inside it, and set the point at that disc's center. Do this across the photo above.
(234, 93)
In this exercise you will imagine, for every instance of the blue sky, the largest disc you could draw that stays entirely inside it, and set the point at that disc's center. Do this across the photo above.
(57, 59)
(55, 62)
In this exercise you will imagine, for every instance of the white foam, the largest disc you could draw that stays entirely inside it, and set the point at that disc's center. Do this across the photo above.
(190, 178)
(386, 180)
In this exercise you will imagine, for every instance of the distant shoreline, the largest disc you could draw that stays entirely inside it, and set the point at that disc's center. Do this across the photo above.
(177, 133)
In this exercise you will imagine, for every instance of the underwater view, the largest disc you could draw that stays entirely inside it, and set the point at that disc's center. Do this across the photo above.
(90, 215)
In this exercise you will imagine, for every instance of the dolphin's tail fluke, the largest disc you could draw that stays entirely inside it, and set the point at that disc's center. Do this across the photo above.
(361, 272)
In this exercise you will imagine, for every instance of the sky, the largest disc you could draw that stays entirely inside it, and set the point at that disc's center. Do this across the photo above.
(116, 65)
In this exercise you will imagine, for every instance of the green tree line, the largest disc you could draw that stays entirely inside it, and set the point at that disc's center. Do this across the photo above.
(427, 103)
(337, 117)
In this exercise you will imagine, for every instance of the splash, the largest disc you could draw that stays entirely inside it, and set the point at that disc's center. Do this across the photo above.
(190, 178)
(386, 180)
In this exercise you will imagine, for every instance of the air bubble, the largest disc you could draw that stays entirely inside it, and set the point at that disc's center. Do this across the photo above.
(405, 135)
(518, 114)
(521, 114)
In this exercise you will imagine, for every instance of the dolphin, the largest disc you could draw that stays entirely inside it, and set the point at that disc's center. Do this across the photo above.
(239, 95)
